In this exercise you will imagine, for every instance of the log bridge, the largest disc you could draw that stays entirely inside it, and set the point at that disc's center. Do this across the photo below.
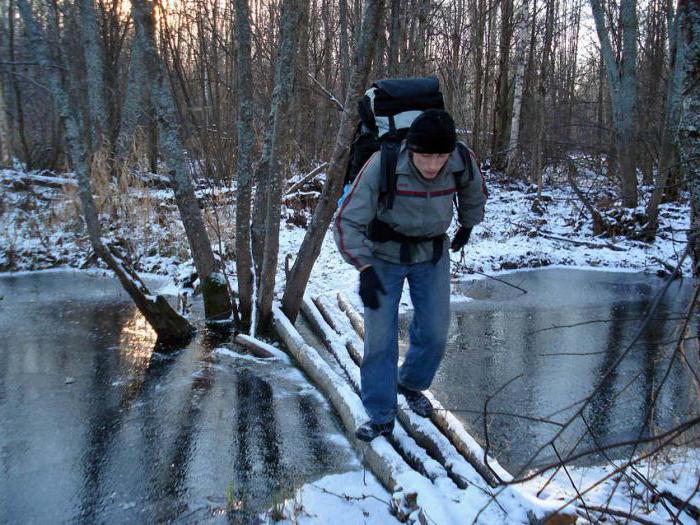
(433, 468)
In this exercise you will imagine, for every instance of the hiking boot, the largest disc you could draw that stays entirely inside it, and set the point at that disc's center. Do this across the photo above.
(367, 431)
(416, 401)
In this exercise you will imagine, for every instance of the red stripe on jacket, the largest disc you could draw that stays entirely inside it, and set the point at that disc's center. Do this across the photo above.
(343, 249)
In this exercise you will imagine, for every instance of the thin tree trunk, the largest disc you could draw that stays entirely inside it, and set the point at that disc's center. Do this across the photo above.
(521, 58)
(689, 23)
(244, 165)
(394, 35)
(19, 100)
(313, 239)
(478, 43)
(217, 302)
(622, 79)
(669, 136)
(169, 326)
(500, 128)
(344, 49)
(540, 100)
(281, 98)
(94, 63)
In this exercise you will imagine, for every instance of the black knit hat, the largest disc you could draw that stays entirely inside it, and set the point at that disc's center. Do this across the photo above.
(433, 131)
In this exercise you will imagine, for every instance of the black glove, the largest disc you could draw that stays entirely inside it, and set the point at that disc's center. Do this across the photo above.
(370, 288)
(461, 238)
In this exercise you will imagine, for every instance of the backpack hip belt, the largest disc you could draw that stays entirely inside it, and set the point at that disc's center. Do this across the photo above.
(380, 231)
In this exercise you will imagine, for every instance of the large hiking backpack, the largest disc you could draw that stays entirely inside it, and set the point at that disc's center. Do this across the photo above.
(386, 111)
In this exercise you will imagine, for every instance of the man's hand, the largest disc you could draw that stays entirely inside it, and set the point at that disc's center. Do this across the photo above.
(461, 238)
(370, 288)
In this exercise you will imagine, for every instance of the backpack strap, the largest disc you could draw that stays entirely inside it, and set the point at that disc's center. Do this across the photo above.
(390, 148)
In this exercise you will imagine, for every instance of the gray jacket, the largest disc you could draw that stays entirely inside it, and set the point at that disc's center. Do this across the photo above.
(422, 208)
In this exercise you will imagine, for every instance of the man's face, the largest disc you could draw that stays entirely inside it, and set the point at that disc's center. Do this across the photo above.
(430, 164)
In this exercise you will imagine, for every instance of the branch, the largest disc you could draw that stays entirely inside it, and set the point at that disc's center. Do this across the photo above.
(330, 95)
(306, 178)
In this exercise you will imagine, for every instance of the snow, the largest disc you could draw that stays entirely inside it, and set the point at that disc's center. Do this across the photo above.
(41, 229)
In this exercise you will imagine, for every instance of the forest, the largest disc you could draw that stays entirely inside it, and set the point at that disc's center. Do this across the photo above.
(208, 141)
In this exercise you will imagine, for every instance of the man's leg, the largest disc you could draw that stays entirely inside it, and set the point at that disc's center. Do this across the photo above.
(380, 362)
(430, 294)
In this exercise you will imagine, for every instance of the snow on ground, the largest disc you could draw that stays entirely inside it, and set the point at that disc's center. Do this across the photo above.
(40, 228)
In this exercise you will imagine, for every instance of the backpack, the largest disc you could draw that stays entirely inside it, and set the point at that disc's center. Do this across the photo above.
(386, 112)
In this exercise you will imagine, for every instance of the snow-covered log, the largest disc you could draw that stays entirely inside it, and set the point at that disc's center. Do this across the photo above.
(355, 318)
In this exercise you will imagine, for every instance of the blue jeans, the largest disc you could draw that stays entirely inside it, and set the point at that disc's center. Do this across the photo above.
(429, 286)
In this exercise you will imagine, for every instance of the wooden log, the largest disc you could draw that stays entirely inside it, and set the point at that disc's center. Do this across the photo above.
(355, 318)
(257, 348)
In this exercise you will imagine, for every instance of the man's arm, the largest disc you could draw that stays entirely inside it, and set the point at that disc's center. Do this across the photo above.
(471, 196)
(356, 211)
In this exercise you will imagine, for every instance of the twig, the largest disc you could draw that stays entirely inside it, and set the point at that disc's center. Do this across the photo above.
(330, 95)
(620, 514)
(486, 426)
(571, 480)
(501, 281)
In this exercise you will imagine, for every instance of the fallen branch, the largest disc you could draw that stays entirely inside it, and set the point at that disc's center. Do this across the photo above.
(618, 513)
(607, 245)
(306, 178)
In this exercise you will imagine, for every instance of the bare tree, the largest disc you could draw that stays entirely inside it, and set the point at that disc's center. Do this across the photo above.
(313, 239)
(520, 59)
(671, 121)
(217, 302)
(169, 326)
(244, 165)
(622, 82)
(688, 13)
(282, 96)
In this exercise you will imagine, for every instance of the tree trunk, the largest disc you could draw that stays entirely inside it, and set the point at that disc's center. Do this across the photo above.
(19, 100)
(5, 137)
(281, 98)
(622, 80)
(170, 327)
(688, 13)
(217, 302)
(540, 100)
(478, 23)
(520, 58)
(313, 239)
(669, 135)
(344, 49)
(500, 128)
(94, 63)
(244, 165)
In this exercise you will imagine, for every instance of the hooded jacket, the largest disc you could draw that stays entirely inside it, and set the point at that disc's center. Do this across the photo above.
(422, 208)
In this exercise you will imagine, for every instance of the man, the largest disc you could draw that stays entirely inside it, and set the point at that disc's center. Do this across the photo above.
(389, 243)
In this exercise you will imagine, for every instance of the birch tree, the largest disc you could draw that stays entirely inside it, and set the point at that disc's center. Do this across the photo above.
(313, 239)
(169, 326)
(520, 60)
(217, 302)
(622, 83)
